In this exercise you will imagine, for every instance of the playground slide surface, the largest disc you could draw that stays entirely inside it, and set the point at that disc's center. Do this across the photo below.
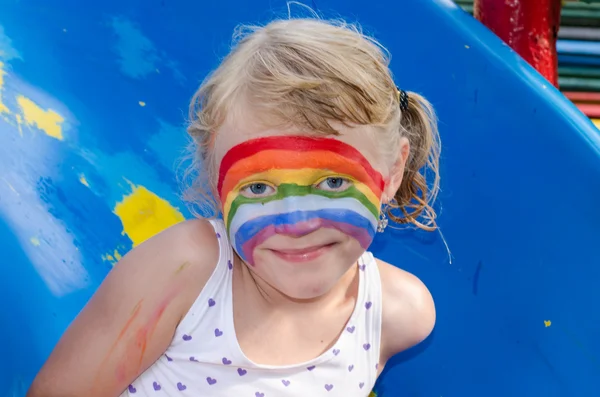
(92, 105)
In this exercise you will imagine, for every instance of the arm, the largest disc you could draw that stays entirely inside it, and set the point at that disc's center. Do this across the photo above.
(131, 319)
(408, 311)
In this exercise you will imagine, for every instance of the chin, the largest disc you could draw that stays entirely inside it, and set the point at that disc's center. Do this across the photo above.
(308, 289)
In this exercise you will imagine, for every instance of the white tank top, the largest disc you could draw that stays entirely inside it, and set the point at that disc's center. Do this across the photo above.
(205, 359)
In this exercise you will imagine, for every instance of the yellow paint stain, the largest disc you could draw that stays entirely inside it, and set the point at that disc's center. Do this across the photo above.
(547, 323)
(144, 214)
(596, 123)
(112, 258)
(46, 120)
(142, 103)
(183, 266)
(35, 241)
(83, 180)
(109, 258)
(3, 108)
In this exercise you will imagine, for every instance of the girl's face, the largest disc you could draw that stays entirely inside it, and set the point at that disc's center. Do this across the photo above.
(300, 210)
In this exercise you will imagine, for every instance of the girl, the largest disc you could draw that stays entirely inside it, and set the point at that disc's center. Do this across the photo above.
(307, 146)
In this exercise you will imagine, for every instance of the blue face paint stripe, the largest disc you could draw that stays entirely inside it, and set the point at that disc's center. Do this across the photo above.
(343, 216)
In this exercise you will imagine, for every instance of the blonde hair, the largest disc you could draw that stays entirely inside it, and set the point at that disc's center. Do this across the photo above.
(308, 73)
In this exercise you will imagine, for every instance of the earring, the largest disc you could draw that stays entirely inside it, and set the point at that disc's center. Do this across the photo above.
(382, 223)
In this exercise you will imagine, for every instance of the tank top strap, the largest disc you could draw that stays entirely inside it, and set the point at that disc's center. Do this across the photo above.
(373, 305)
(225, 249)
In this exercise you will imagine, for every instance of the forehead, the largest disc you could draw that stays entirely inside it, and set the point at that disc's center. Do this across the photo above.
(362, 138)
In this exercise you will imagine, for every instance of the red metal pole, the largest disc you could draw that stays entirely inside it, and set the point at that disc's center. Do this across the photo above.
(530, 27)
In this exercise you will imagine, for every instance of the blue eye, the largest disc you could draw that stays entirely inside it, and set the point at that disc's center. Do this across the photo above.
(257, 190)
(334, 184)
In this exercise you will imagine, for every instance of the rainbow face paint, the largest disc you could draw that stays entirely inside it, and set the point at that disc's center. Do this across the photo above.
(293, 185)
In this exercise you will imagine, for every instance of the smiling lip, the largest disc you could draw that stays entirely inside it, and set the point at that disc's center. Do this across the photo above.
(303, 254)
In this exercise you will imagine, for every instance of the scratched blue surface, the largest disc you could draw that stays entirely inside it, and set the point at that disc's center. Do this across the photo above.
(519, 203)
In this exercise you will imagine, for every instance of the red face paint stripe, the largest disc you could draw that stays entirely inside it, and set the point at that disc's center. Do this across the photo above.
(297, 144)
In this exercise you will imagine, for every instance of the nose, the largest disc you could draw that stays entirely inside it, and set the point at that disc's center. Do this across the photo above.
(298, 217)
(300, 228)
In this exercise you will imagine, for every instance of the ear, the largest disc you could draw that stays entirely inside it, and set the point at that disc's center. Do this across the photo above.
(397, 170)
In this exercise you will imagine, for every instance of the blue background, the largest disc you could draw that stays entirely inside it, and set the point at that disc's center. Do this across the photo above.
(517, 297)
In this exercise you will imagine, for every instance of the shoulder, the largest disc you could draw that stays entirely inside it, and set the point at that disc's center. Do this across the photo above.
(188, 245)
(182, 256)
(408, 310)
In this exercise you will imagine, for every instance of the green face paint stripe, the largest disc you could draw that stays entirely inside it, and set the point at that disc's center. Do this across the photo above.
(290, 189)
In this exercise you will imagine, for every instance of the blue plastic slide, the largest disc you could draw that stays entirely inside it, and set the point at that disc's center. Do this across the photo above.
(92, 103)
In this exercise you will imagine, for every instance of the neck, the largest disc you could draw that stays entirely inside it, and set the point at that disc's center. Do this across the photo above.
(275, 299)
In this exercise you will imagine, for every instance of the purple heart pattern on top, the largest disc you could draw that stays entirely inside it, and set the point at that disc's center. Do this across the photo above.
(211, 302)
(181, 386)
(193, 359)
(350, 368)
(186, 337)
(241, 371)
(168, 358)
(218, 332)
(211, 381)
(132, 389)
(225, 361)
(361, 385)
(286, 383)
(259, 394)
(362, 267)
(218, 235)
(350, 329)
(156, 386)
(367, 346)
(229, 264)
(336, 352)
(311, 367)
(328, 387)
(368, 305)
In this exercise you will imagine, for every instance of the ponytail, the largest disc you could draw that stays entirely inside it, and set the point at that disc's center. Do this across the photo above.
(414, 198)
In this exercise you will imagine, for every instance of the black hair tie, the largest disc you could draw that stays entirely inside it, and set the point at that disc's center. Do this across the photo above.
(403, 99)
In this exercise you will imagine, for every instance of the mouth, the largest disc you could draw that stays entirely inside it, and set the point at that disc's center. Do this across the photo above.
(306, 254)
